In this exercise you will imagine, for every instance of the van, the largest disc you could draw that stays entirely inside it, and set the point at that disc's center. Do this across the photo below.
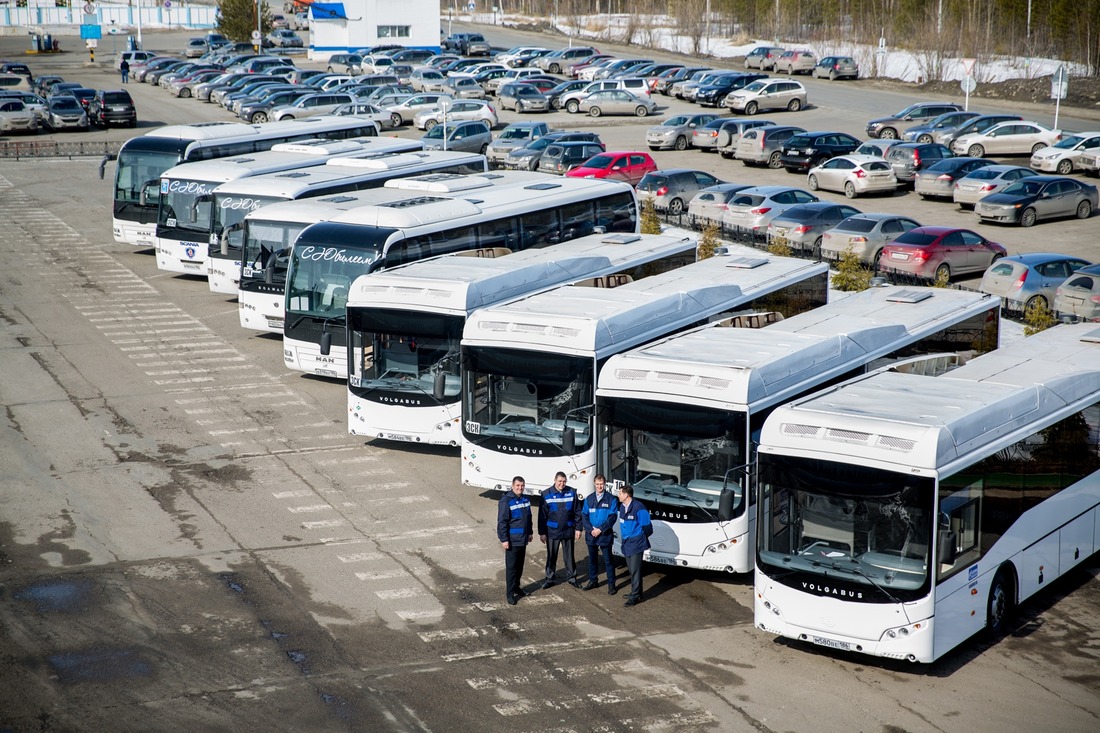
(572, 101)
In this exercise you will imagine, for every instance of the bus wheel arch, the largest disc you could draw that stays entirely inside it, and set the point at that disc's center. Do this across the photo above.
(1001, 604)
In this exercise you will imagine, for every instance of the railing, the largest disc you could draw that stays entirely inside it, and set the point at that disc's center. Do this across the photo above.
(26, 149)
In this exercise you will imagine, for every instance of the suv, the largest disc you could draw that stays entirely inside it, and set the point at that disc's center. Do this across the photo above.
(808, 149)
(712, 93)
(558, 60)
(112, 106)
(887, 127)
(471, 137)
(763, 57)
(908, 158)
(675, 133)
(311, 104)
(467, 44)
(572, 100)
(561, 157)
(764, 145)
(529, 157)
(836, 67)
(672, 189)
(767, 94)
(11, 67)
(516, 135)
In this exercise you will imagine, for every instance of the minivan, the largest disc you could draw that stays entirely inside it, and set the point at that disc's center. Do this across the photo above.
(560, 158)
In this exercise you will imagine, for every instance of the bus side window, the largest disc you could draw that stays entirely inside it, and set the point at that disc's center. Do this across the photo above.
(959, 529)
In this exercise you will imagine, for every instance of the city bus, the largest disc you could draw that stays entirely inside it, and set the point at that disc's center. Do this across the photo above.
(187, 220)
(143, 159)
(530, 367)
(405, 324)
(413, 218)
(679, 418)
(340, 175)
(901, 513)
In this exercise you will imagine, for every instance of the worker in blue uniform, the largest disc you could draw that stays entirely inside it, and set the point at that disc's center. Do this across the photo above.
(559, 528)
(514, 532)
(598, 516)
(634, 529)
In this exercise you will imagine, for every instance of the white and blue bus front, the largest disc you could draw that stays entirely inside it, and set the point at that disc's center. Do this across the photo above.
(141, 161)
(261, 286)
(845, 556)
(687, 465)
(405, 379)
(324, 262)
(184, 223)
(527, 413)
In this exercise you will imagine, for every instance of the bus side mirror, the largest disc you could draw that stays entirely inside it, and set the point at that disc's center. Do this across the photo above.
(224, 239)
(103, 164)
(569, 441)
(143, 199)
(326, 343)
(439, 385)
(947, 547)
(725, 505)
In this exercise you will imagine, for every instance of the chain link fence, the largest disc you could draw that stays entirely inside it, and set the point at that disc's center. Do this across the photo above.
(29, 149)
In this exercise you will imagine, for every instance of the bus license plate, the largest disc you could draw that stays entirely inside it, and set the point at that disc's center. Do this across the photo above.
(399, 436)
(832, 643)
(326, 373)
(660, 560)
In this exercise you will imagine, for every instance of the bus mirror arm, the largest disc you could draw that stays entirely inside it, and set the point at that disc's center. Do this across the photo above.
(948, 551)
(439, 385)
(326, 343)
(144, 197)
(103, 164)
(193, 209)
(224, 239)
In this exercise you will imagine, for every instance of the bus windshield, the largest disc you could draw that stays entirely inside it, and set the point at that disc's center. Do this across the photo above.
(262, 239)
(136, 168)
(864, 532)
(528, 397)
(232, 208)
(683, 454)
(185, 204)
(321, 275)
(404, 351)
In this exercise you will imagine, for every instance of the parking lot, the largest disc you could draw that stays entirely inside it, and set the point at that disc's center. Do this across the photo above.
(191, 539)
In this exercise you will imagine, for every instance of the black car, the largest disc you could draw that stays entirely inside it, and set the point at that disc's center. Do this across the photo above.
(711, 95)
(112, 106)
(807, 149)
(83, 95)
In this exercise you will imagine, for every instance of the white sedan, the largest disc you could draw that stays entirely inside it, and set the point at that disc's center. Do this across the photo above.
(460, 110)
(1064, 156)
(854, 175)
(1015, 137)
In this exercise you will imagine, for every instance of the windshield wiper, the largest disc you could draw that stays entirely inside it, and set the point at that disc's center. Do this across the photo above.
(857, 570)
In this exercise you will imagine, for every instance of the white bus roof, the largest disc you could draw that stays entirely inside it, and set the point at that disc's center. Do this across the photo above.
(595, 322)
(283, 157)
(444, 198)
(910, 421)
(460, 284)
(292, 184)
(739, 368)
(214, 131)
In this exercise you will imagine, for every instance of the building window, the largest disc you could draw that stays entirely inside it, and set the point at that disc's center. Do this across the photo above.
(393, 31)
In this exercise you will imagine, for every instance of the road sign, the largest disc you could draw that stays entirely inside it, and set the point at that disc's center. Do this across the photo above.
(167, 4)
(89, 8)
(1059, 91)
(471, 6)
(968, 84)
(968, 66)
(91, 31)
(255, 35)
(91, 42)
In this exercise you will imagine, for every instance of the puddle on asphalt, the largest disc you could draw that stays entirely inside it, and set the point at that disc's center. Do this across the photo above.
(57, 596)
(99, 665)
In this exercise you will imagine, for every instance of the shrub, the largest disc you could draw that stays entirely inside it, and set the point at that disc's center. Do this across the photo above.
(651, 223)
(851, 276)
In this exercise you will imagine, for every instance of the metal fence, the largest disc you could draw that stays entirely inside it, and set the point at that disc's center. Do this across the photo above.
(24, 149)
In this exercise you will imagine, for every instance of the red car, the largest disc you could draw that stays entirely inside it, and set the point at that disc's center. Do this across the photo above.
(940, 252)
(626, 166)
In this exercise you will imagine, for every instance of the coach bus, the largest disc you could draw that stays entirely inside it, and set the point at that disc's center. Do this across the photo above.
(405, 324)
(143, 159)
(901, 513)
(679, 418)
(187, 219)
(343, 174)
(414, 218)
(530, 367)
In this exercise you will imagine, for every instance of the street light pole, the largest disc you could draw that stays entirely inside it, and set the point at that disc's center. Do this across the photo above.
(138, 2)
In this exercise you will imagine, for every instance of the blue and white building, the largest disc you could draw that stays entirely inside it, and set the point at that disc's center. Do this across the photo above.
(340, 27)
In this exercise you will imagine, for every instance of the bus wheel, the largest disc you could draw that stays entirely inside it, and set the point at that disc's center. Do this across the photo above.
(1002, 603)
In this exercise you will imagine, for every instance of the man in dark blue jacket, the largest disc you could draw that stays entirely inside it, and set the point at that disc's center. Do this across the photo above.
(559, 528)
(514, 533)
(598, 516)
(634, 529)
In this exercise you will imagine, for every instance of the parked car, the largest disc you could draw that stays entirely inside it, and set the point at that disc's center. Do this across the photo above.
(1033, 199)
(980, 123)
(1079, 296)
(908, 159)
(715, 92)
(987, 179)
(1064, 156)
(1028, 280)
(467, 44)
(469, 137)
(427, 80)
(888, 127)
(34, 103)
(112, 106)
(16, 116)
(836, 67)
(513, 137)
(459, 110)
(767, 94)
(413, 56)
(557, 61)
(795, 62)
(18, 69)
(865, 235)
(280, 21)
(83, 95)
(311, 104)
(348, 63)
(729, 134)
(66, 113)
(666, 80)
(463, 87)
(571, 101)
(630, 167)
(561, 157)
(672, 189)
(926, 131)
(195, 48)
(762, 57)
(675, 133)
(753, 209)
(525, 98)
(939, 253)
(258, 111)
(1019, 137)
(404, 112)
(764, 145)
(854, 175)
(43, 82)
(555, 95)
(802, 227)
(808, 149)
(708, 204)
(133, 58)
(529, 157)
(300, 21)
(938, 179)
(285, 38)
(617, 102)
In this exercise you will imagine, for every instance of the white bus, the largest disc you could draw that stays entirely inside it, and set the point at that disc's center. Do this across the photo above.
(679, 418)
(901, 513)
(186, 217)
(405, 324)
(529, 367)
(342, 174)
(414, 218)
(143, 159)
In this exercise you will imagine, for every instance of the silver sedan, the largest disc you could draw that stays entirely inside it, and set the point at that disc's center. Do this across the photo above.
(617, 102)
(865, 235)
(976, 185)
(854, 175)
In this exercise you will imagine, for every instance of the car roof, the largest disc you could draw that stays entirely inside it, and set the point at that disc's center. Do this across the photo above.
(1036, 258)
(879, 216)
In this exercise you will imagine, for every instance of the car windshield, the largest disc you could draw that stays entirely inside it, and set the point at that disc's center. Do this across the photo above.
(916, 239)
(599, 161)
(747, 199)
(1069, 142)
(652, 182)
(64, 103)
(903, 112)
(984, 174)
(756, 86)
(1023, 188)
(436, 133)
(675, 121)
(857, 224)
(515, 133)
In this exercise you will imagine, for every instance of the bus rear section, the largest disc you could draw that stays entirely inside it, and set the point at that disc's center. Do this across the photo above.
(901, 513)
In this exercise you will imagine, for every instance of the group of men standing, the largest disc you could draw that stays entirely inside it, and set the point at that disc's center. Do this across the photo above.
(563, 518)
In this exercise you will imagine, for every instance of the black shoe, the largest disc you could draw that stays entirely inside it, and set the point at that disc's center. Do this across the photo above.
(591, 586)
(548, 584)
(574, 583)
(520, 594)
(630, 601)
(511, 601)
(612, 590)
